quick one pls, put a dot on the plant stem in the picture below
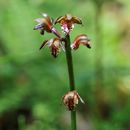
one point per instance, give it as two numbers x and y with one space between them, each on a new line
69 62
71 77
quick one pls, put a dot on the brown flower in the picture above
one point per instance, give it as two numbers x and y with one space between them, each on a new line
54 44
46 24
71 99
67 22
81 39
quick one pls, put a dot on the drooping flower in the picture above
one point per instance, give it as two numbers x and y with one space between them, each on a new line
81 39
54 44
71 99
67 22
46 24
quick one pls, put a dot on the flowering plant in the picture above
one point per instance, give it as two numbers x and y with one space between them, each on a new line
67 22
46 24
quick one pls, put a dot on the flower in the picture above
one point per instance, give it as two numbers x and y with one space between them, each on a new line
54 44
71 99
67 22
46 24
81 39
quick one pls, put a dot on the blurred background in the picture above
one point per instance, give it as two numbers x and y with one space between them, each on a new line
32 82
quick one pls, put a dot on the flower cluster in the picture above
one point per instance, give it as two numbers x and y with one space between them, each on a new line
67 22
46 24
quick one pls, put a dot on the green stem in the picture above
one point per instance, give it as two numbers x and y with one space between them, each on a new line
71 77
69 62
73 120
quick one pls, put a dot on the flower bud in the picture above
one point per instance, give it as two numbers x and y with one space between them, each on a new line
71 99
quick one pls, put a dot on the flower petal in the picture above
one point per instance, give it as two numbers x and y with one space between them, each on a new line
39 20
38 27
58 20
50 42
43 44
47 19
76 20
82 101
81 39
55 48
54 51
